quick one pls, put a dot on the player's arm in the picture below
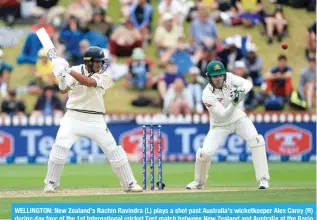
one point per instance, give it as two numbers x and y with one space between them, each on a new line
67 76
103 80
240 82
97 80
213 105
61 70
65 83
84 80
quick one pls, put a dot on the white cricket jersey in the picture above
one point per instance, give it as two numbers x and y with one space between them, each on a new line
222 111
81 97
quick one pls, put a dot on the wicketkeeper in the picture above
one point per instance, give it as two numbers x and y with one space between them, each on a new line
221 97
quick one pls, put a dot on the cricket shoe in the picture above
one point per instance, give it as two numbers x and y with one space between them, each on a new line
50 187
133 187
195 185
263 183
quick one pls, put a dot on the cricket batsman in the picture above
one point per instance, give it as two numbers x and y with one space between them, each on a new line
221 97
86 84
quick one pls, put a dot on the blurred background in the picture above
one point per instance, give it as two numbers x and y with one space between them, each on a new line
159 50
151 43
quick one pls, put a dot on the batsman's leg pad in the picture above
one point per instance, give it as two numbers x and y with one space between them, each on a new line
56 162
257 145
202 166
121 167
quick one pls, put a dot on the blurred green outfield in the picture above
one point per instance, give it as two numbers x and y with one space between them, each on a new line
117 97
228 182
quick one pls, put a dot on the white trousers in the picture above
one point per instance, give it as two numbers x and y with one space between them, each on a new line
75 125
217 136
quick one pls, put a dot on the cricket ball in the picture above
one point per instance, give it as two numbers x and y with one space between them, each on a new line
284 46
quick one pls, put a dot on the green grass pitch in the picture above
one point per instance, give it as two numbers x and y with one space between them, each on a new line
228 182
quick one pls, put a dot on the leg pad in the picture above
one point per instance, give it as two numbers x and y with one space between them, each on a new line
121 167
202 165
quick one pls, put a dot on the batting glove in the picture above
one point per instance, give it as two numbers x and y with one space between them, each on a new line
60 67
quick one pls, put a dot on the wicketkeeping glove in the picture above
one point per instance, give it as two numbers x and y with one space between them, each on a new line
236 95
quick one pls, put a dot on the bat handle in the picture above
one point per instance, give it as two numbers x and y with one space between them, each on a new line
52 54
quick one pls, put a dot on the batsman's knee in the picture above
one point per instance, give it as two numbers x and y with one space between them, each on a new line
256 141
202 155
59 154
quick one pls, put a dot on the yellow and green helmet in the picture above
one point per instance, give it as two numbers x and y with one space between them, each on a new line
215 68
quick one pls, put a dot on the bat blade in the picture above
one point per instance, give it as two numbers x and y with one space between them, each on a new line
47 43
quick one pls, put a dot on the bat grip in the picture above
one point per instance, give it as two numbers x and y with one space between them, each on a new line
52 54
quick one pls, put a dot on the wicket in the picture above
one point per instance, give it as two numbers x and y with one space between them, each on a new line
160 183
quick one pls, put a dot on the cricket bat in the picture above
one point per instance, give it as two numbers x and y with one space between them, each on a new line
47 43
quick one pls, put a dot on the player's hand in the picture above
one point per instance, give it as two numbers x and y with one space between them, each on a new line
61 76
236 95
60 65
